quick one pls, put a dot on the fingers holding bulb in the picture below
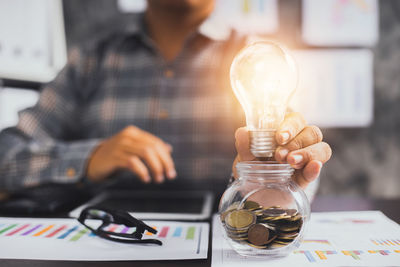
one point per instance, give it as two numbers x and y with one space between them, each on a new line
308 136
299 158
292 125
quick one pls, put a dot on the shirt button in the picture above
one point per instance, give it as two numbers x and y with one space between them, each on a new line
163 114
168 73
71 172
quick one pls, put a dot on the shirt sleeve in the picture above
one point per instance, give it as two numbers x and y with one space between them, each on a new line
45 146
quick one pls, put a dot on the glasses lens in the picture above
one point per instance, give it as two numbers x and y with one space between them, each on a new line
99 215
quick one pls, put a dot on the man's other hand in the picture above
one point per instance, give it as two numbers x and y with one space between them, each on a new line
136 150
299 144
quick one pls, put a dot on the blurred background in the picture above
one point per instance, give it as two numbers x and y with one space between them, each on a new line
347 51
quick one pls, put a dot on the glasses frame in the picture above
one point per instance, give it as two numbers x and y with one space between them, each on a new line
119 217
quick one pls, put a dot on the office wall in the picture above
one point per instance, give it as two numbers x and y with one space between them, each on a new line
366 161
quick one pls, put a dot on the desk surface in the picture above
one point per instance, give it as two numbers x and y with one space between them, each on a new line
389 207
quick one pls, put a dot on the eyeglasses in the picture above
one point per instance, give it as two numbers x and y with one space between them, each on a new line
107 217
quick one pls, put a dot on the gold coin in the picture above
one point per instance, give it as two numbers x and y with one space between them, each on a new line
240 218
289 228
285 238
295 218
255 246
281 242
289 234
238 238
292 212
233 232
276 245
234 206
272 207
251 205
231 207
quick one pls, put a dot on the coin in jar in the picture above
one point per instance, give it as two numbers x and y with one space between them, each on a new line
251 205
260 234
239 219
275 212
292 212
288 235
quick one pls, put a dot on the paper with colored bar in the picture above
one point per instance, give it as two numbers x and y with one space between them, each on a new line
66 239
366 238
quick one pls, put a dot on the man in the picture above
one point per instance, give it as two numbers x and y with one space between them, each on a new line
129 99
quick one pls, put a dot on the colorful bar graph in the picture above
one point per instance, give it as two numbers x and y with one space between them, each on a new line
148 233
386 242
75 232
92 234
79 234
44 230
322 254
306 253
382 252
113 228
68 232
32 229
17 230
190 233
164 231
317 241
125 230
177 232
8 228
352 253
57 231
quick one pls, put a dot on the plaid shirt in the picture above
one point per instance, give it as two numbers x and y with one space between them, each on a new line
120 79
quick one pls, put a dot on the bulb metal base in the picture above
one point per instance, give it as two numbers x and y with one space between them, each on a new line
262 143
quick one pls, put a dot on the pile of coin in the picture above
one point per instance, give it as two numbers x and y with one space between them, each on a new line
261 227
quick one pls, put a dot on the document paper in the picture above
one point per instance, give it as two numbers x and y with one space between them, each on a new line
67 239
32 39
335 87
366 238
340 22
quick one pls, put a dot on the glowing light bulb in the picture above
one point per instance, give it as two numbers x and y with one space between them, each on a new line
263 77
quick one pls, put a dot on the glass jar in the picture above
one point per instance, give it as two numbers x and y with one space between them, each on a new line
264 212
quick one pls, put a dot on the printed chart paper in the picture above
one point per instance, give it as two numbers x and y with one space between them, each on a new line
67 239
366 238
340 22
335 87
32 39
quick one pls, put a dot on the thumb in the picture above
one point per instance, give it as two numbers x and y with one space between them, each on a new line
243 144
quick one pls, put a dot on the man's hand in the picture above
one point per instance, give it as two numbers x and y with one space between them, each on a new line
300 145
136 150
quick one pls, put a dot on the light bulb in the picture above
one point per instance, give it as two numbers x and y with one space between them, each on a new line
263 77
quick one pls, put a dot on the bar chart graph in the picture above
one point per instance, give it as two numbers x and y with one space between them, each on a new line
68 239
364 238
76 231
